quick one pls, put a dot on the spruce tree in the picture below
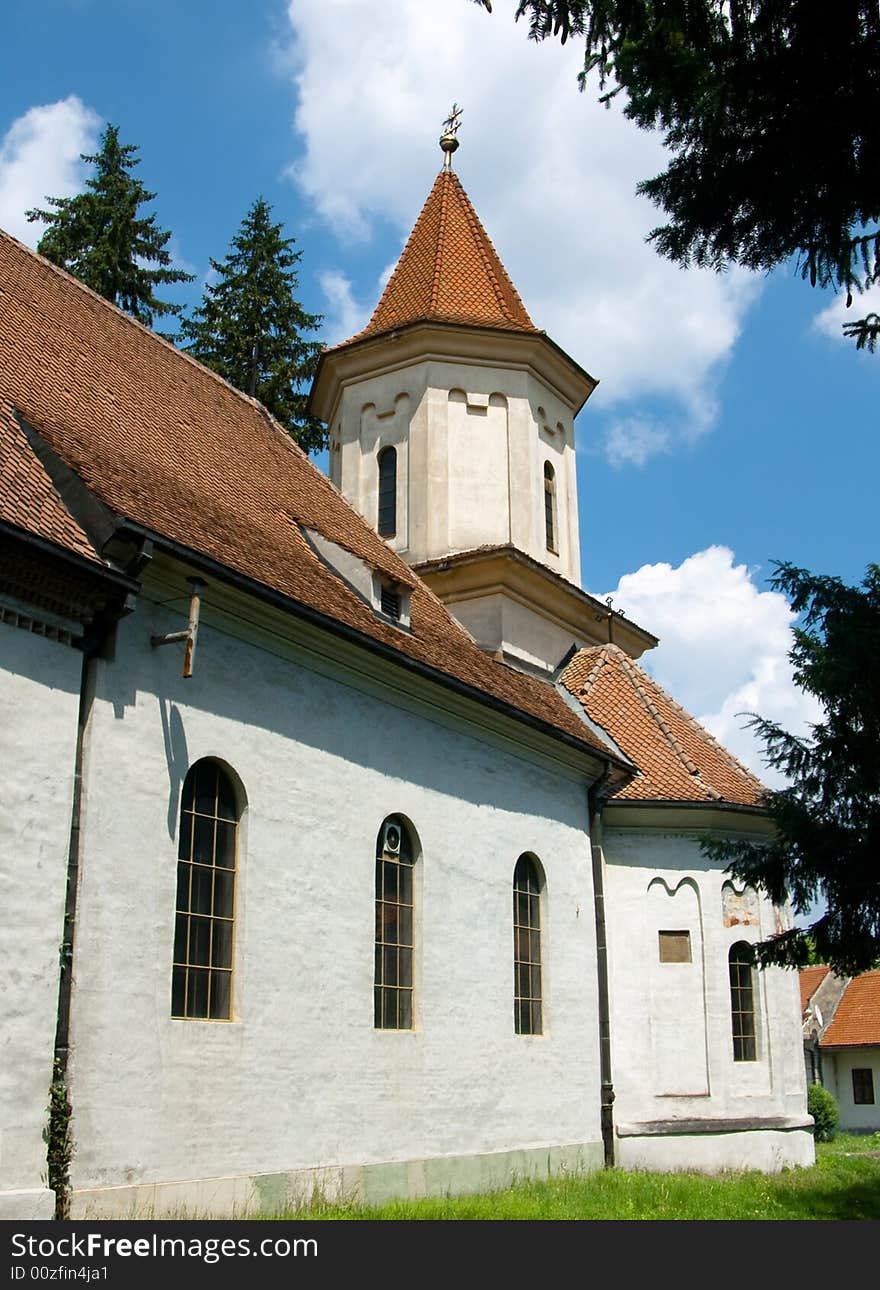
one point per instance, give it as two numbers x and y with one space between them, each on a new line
827 819
100 238
249 326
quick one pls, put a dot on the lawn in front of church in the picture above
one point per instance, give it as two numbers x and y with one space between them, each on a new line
843 1184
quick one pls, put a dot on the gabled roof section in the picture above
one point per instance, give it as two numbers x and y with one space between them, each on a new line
449 272
678 760
163 442
856 1022
810 979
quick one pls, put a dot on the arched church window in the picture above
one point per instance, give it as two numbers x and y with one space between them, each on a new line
550 506
395 935
201 979
527 990
741 962
387 492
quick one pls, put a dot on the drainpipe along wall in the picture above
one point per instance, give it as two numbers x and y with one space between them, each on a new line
596 802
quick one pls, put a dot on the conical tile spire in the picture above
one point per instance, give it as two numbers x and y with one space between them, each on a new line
449 271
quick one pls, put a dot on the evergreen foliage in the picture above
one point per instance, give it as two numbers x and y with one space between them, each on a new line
249 327
771 111
100 238
827 840
823 1108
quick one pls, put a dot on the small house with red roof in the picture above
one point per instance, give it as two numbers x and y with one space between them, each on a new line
842 1042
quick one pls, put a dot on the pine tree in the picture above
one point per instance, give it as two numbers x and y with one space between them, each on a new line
99 237
249 325
827 839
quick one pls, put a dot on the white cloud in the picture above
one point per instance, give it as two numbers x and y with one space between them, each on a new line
344 316
552 175
723 647
830 321
40 157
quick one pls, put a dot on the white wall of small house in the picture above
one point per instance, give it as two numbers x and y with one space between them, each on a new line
472 441
671 1022
837 1068
40 701
301 1078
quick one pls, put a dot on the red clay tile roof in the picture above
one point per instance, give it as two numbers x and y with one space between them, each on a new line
678 760
811 978
166 443
857 1019
449 271
28 498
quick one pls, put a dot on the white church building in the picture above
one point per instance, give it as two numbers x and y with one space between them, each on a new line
344 843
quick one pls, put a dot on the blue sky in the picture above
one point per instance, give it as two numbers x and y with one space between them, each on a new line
731 426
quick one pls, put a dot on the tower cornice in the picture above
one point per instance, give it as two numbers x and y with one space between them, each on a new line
422 341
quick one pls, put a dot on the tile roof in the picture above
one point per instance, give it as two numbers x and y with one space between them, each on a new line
166 443
856 1021
810 979
677 759
28 498
449 271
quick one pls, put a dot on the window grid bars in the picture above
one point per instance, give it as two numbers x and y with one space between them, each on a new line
207 985
395 943
527 999
742 1010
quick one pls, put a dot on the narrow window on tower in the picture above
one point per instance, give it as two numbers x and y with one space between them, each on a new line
550 506
387 492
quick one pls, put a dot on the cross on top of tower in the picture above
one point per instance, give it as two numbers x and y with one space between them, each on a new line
449 139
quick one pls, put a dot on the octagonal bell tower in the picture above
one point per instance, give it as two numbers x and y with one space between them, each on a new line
451 427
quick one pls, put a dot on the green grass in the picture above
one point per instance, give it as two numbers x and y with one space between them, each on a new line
844 1183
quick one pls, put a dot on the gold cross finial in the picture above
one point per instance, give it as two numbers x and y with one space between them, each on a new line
448 139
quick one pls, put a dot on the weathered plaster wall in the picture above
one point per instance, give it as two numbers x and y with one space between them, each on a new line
40 702
671 1024
301 1079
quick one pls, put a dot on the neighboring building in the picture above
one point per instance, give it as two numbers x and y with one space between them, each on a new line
842 1042
349 895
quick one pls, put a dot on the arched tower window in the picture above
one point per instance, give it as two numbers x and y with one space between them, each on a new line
387 524
741 961
201 979
550 507
395 938
527 991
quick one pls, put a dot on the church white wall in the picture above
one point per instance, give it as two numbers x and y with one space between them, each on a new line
472 440
301 1080
837 1068
40 700
671 1025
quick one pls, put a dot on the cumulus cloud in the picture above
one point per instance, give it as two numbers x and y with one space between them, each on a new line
723 649
830 321
344 315
552 175
40 157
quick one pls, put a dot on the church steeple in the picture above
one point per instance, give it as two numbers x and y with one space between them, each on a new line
449 272
452 431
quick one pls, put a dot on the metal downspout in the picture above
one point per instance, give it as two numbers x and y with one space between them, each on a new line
596 802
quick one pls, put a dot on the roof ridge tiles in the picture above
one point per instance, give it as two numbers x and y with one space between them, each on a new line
680 752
